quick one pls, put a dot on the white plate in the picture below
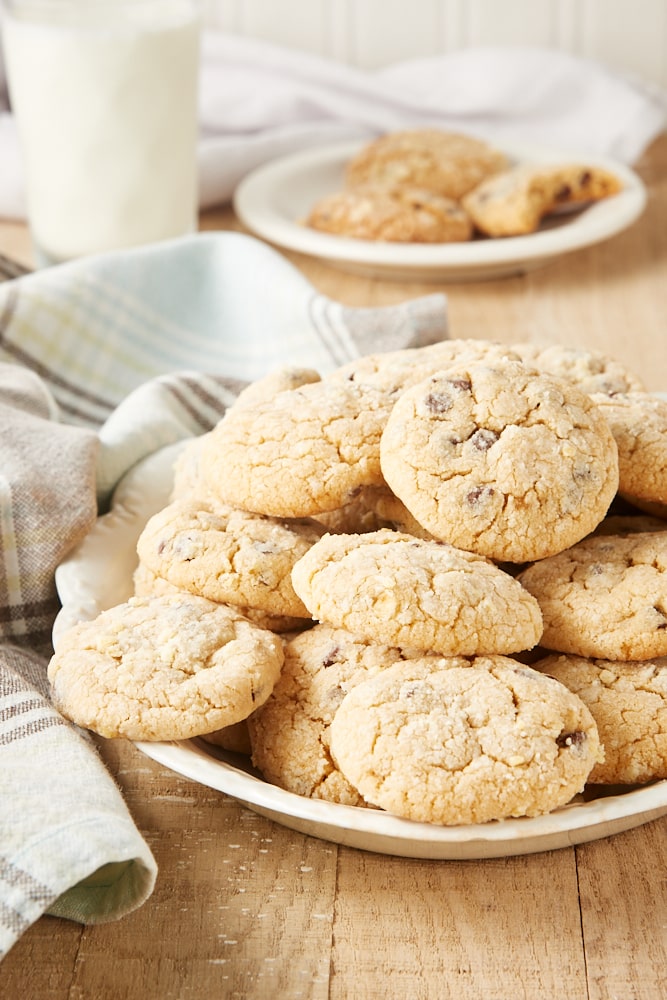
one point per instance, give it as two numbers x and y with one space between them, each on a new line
98 574
272 199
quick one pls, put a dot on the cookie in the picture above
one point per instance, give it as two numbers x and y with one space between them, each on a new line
289 734
454 741
393 372
604 597
147 583
502 460
592 371
394 215
629 704
446 163
280 380
513 203
305 451
228 555
163 668
189 482
398 590
189 479
638 421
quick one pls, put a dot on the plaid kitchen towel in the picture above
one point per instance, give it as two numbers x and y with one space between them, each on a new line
102 362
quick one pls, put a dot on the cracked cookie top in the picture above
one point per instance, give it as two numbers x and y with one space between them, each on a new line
628 701
447 163
395 371
228 555
289 734
303 451
604 597
501 459
163 668
592 371
396 589
454 741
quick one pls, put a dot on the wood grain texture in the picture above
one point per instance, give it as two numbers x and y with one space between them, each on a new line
247 909
409 928
623 895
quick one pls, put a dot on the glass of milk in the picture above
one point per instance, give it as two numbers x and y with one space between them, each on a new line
105 98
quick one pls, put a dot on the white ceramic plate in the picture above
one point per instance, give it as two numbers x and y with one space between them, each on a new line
98 574
272 199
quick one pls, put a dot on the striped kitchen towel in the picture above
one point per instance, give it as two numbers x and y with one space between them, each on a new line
102 362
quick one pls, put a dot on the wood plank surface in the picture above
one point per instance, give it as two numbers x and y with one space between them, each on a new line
246 908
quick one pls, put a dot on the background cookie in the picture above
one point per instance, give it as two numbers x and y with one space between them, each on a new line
629 704
499 459
629 524
234 738
374 508
604 597
513 203
189 481
446 163
395 589
452 741
397 215
163 668
280 380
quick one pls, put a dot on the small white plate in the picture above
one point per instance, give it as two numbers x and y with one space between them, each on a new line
273 199
98 574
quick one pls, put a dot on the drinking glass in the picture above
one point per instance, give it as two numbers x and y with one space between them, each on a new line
104 93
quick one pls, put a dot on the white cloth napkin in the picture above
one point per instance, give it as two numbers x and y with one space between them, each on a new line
103 362
259 101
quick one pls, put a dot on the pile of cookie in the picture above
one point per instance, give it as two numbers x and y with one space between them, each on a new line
433 582
432 186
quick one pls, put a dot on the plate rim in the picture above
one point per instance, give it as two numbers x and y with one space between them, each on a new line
254 196
210 768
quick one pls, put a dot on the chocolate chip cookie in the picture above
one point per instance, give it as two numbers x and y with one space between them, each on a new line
228 555
289 734
446 163
513 203
500 459
163 668
392 588
455 741
629 704
304 451
394 215
605 597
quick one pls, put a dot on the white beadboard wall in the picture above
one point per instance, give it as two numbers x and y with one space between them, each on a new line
629 36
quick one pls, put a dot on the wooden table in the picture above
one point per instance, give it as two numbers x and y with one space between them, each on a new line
246 908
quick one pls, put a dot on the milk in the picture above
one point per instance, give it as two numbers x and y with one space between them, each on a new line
105 100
